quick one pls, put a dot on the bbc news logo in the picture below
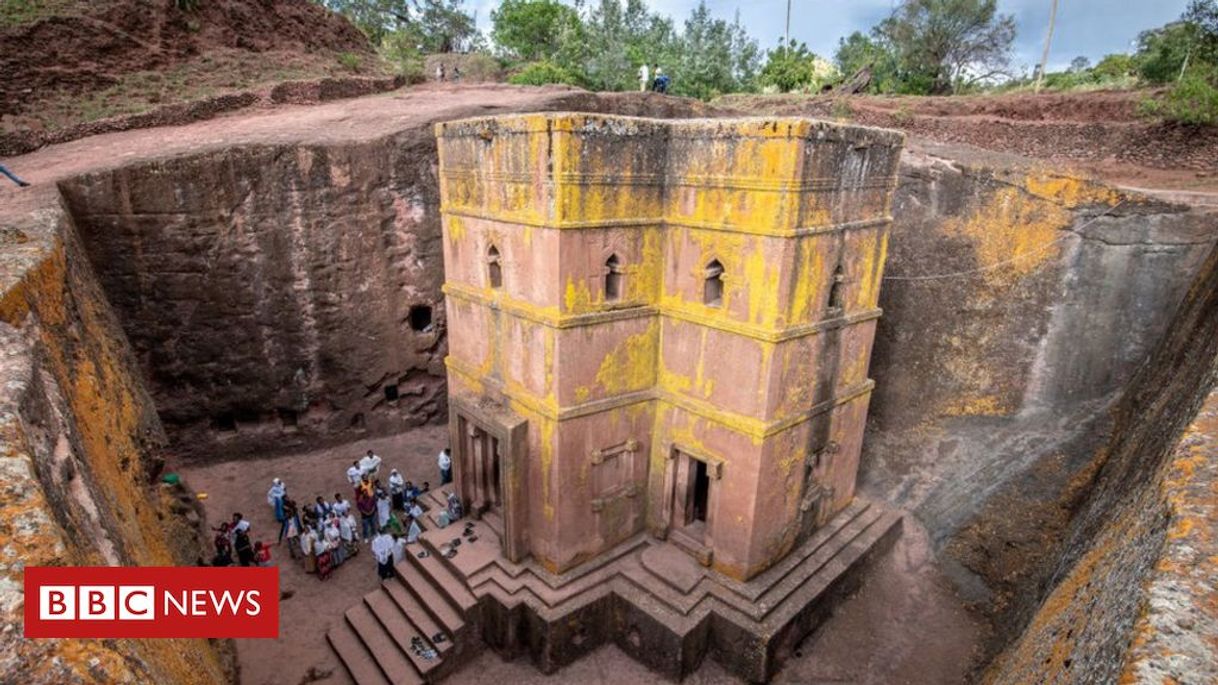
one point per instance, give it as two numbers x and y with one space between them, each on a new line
113 602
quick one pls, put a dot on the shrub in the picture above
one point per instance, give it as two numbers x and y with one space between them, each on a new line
350 61
1191 100
1115 66
399 49
841 110
479 66
542 73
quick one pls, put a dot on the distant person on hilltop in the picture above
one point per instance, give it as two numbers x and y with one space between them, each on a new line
440 71
644 77
661 82
456 73
13 177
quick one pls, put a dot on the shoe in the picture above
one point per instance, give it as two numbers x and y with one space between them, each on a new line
423 555
23 184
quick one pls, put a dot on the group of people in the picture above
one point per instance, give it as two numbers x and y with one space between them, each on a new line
653 78
233 544
324 534
441 73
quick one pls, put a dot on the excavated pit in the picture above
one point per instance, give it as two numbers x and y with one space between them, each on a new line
1044 342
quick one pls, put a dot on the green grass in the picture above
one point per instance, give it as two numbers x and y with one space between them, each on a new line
17 13
208 75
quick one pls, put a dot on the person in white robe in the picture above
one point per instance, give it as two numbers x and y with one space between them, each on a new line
382 551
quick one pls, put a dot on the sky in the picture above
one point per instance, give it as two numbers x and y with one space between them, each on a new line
1091 28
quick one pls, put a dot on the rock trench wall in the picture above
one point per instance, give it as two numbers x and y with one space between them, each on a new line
1132 595
278 298
81 449
1019 306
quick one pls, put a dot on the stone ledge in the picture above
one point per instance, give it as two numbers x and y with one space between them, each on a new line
746 626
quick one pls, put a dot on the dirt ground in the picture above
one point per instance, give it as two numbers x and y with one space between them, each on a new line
877 636
69 61
1099 133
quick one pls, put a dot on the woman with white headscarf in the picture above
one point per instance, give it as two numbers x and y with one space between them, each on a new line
275 497
397 486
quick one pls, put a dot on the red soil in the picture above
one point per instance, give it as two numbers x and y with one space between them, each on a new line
83 46
1100 133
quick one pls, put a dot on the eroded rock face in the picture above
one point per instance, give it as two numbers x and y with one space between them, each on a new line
276 297
1018 306
80 446
1140 551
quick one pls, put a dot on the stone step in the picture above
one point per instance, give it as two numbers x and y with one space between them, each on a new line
408 604
445 578
815 563
402 631
757 586
872 540
355 656
433 500
669 598
385 652
536 587
439 607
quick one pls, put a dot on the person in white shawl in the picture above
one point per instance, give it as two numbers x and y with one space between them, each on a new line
413 533
351 523
275 497
346 528
338 552
399 550
382 509
397 485
382 550
369 464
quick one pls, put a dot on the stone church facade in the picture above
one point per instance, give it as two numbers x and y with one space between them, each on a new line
662 327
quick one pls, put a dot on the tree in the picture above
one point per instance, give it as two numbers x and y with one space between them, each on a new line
606 66
792 66
1163 53
444 26
531 29
374 17
600 45
945 43
715 56
859 51
1203 15
432 25
1079 64
1114 66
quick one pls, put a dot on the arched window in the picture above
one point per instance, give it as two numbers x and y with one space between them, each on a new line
494 269
614 279
835 290
712 288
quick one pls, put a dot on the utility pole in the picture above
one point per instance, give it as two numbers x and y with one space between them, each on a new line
1044 56
786 41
